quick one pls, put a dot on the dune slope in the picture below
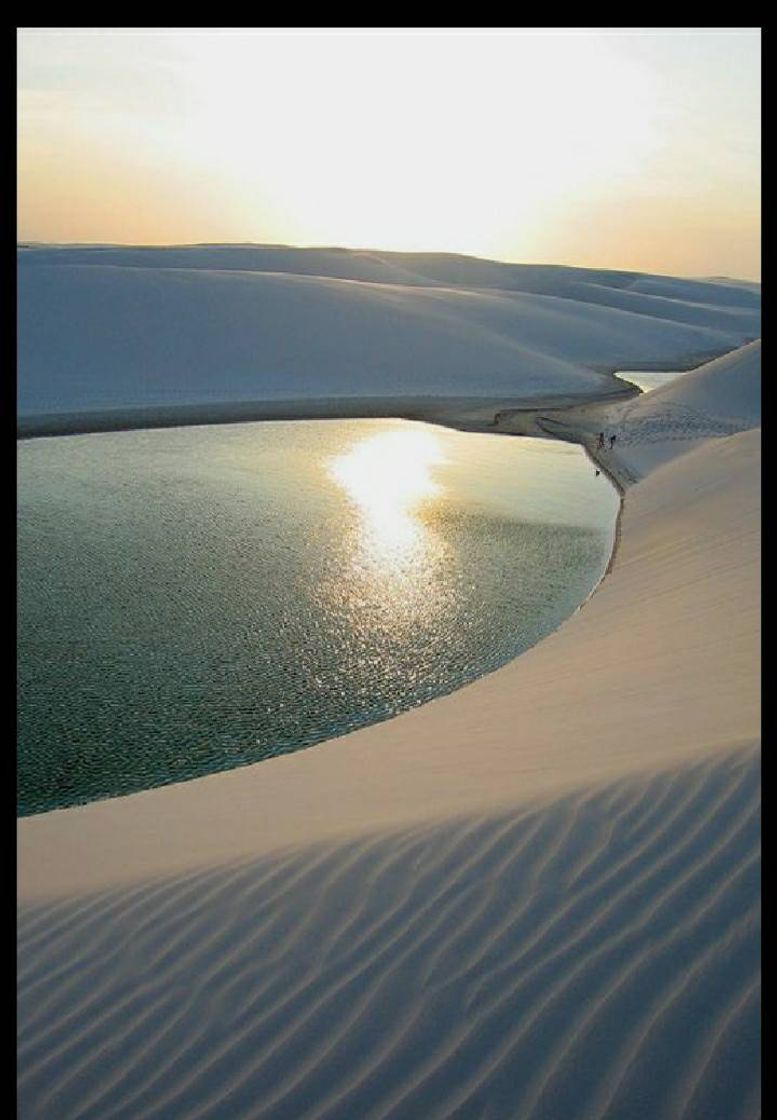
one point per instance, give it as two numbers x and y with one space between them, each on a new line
594 956
126 328
718 398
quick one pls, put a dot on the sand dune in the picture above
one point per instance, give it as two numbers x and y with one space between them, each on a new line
726 390
123 328
718 398
593 956
416 269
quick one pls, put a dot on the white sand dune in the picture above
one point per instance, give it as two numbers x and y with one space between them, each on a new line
727 390
536 897
123 328
416 269
718 398
595 955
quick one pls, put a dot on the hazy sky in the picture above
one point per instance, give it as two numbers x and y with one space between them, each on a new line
635 149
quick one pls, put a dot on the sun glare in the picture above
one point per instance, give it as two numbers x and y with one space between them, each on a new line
373 161
520 144
387 476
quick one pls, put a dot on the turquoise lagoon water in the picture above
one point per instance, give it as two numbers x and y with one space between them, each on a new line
196 599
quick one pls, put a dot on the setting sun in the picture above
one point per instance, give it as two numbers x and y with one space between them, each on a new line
509 144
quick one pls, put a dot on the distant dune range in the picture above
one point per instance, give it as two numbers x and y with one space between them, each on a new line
106 329
536 897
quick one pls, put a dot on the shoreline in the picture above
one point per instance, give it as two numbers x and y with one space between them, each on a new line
538 419
529 420
454 411
543 422
359 781
611 535
465 413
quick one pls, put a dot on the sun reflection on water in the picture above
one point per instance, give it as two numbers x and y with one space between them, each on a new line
387 476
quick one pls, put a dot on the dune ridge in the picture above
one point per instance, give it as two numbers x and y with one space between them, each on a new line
415 269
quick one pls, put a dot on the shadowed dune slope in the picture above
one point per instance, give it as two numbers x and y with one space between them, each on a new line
120 328
417 269
592 956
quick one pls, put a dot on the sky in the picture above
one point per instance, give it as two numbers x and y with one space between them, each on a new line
627 149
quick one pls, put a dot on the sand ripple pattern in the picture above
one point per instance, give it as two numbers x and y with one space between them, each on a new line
591 956
675 421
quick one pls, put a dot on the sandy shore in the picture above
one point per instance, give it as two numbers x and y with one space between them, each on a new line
536 897
465 413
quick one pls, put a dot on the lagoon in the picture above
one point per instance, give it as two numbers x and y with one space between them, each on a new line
196 599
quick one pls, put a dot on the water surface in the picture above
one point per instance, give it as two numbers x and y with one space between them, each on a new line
199 598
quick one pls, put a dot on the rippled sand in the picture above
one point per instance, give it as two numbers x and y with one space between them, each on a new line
595 955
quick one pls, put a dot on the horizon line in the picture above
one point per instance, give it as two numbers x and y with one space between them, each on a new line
23 243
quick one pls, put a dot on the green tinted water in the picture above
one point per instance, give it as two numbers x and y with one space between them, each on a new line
200 598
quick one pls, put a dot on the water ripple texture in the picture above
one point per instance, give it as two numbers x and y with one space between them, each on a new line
197 599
